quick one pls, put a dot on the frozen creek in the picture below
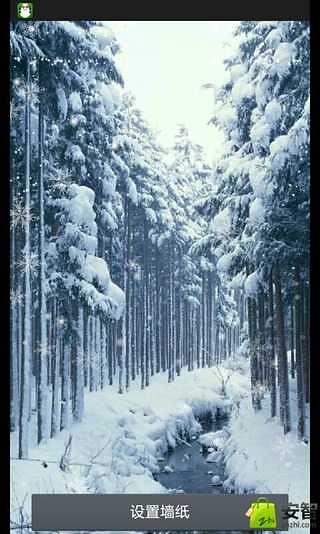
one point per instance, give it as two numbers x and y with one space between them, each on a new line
191 473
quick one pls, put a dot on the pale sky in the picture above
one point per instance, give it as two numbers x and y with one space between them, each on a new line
164 65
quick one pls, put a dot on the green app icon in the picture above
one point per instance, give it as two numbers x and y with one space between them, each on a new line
262 514
25 10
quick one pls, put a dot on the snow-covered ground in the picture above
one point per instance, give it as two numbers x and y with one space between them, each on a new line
260 458
122 436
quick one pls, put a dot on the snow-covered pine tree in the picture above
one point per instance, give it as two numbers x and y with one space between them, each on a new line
24 55
261 183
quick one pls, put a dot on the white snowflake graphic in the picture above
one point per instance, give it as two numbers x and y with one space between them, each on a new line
20 215
29 263
16 296
60 182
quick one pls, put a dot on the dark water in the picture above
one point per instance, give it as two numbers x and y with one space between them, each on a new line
189 464
191 474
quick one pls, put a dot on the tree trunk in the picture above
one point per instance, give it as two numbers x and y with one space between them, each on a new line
292 366
65 386
110 352
273 374
86 346
209 319
92 353
169 318
307 343
146 306
126 285
103 352
27 321
15 302
133 350
42 351
299 357
172 315
282 353
178 328
252 326
56 351
77 360
158 313
203 323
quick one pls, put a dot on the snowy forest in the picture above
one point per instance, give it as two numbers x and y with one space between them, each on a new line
133 263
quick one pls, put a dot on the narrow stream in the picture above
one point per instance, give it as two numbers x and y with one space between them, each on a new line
191 473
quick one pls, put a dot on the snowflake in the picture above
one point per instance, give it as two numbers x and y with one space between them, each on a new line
61 182
16 297
27 28
29 263
20 215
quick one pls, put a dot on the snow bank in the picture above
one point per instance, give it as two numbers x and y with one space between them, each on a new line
122 437
216 440
260 458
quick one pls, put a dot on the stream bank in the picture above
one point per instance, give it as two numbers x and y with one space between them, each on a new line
191 470
188 469
122 437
